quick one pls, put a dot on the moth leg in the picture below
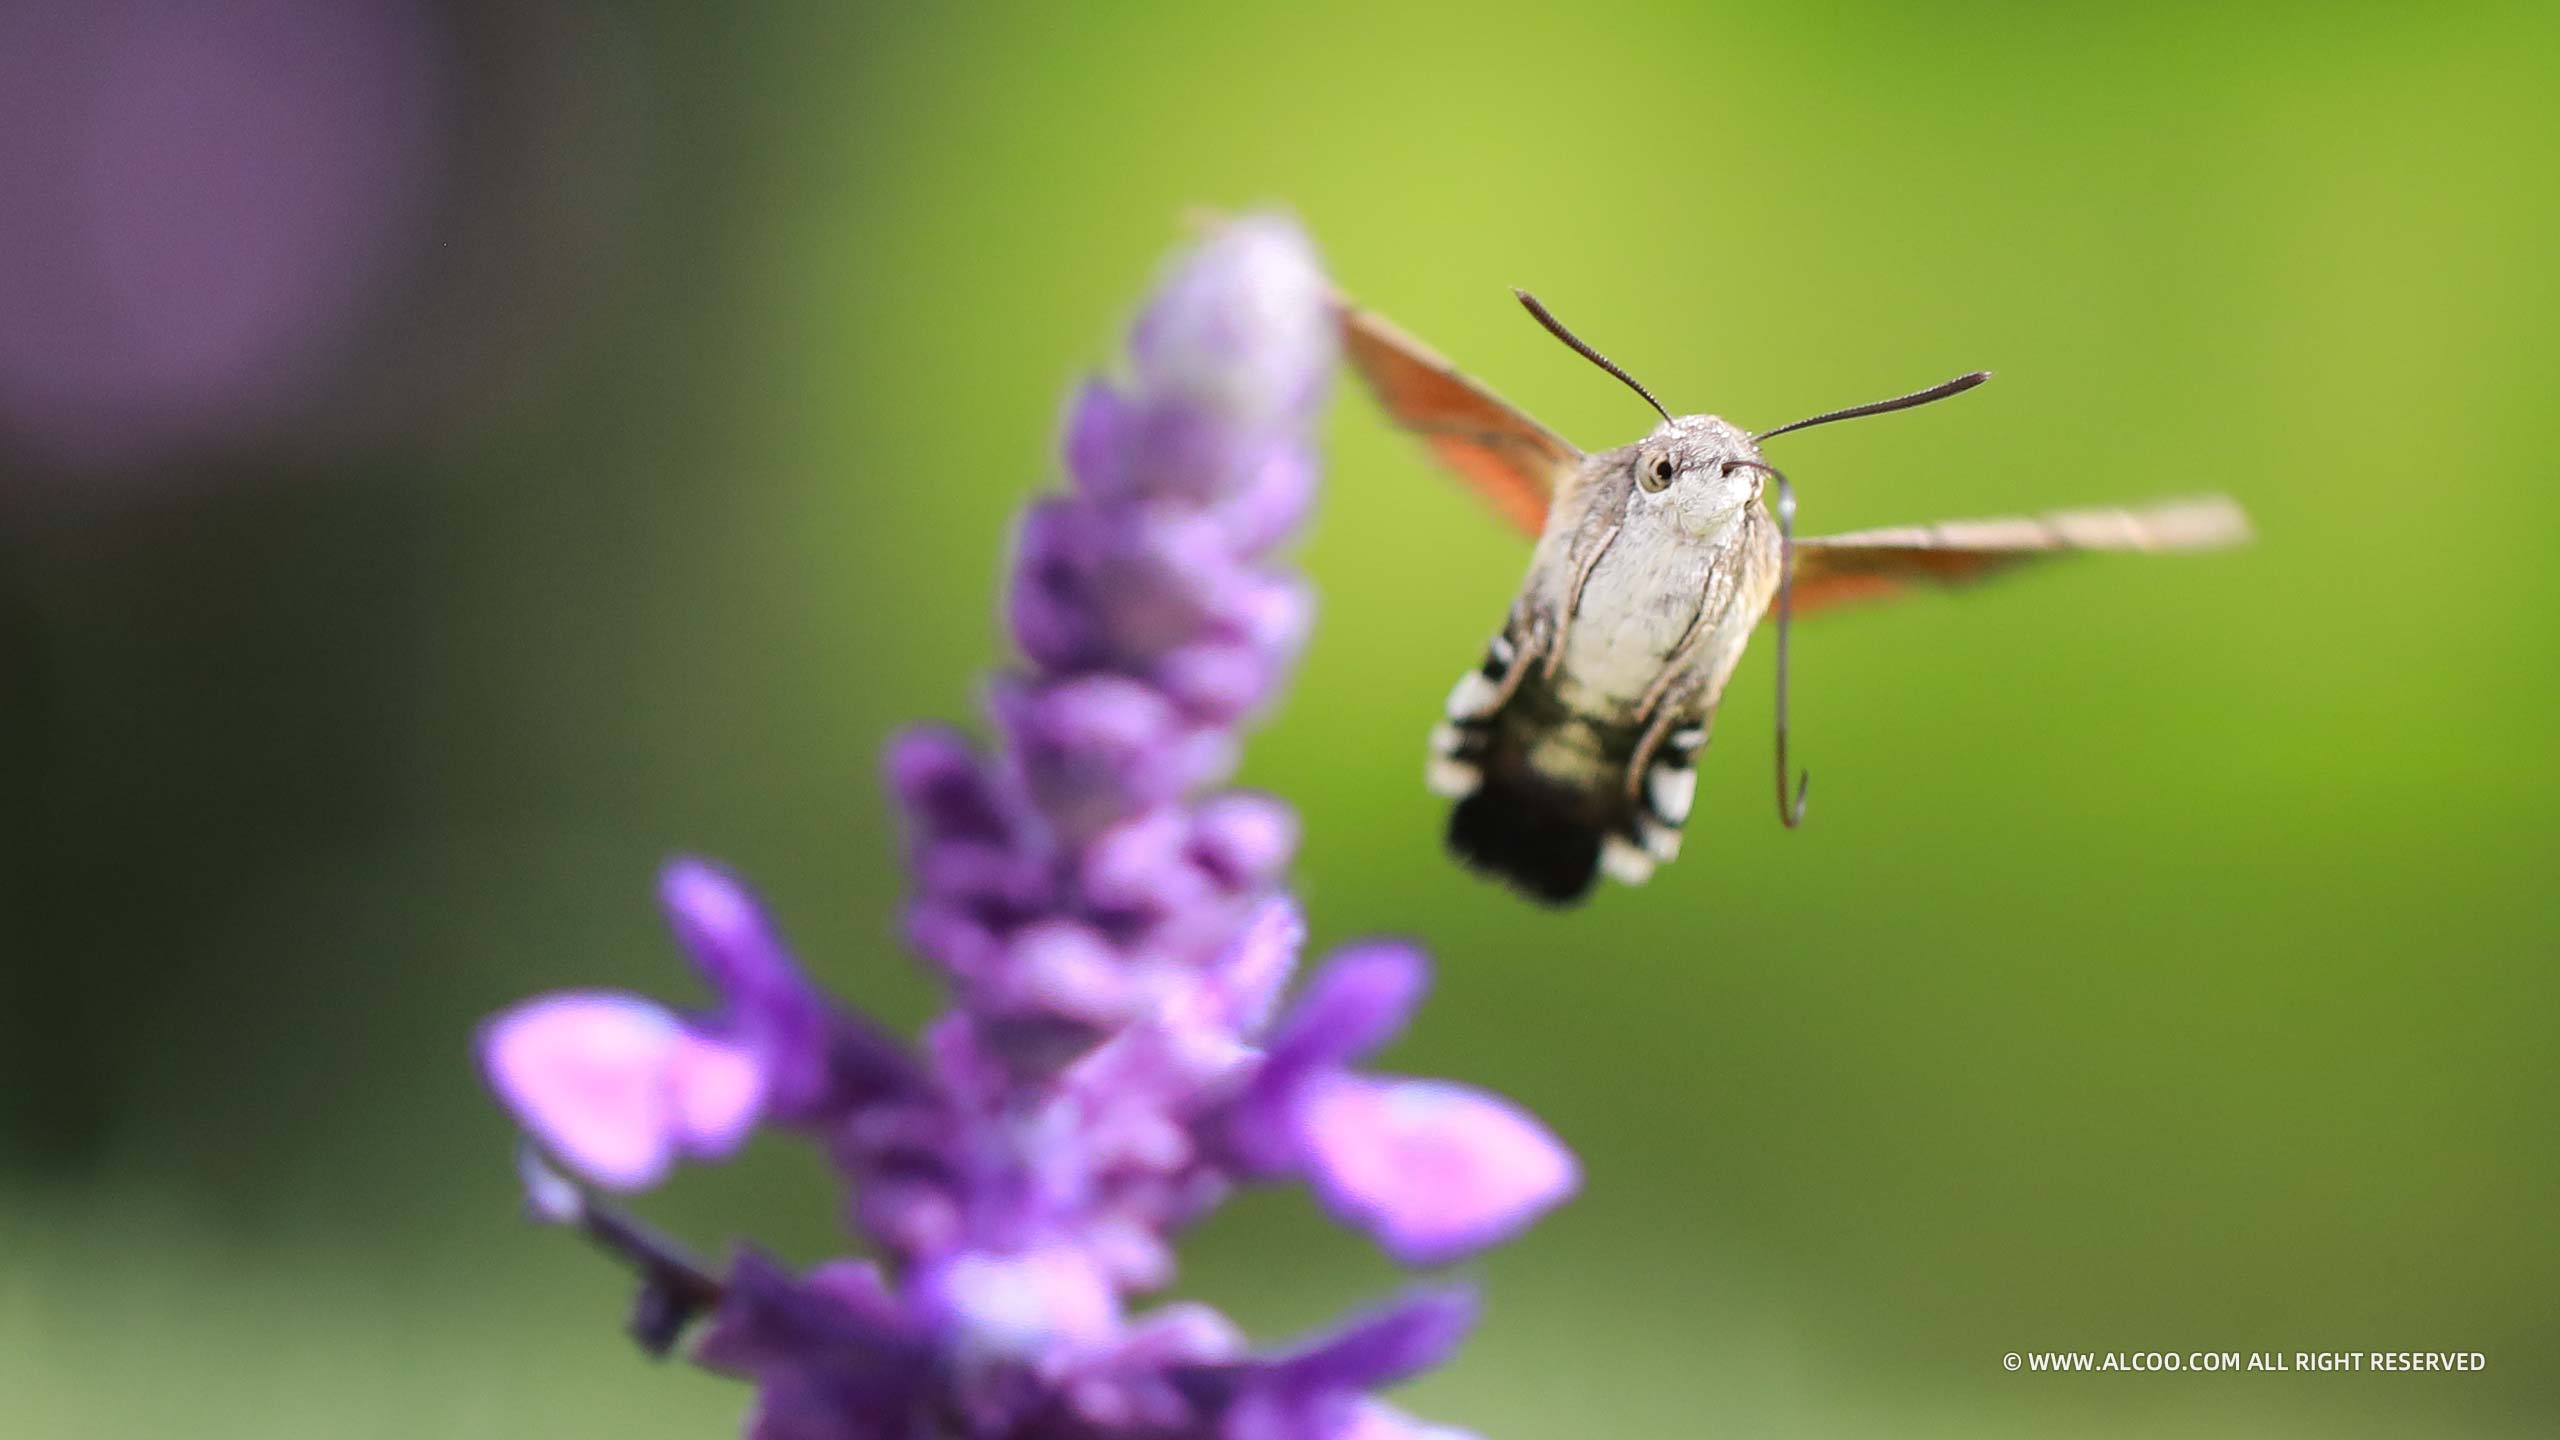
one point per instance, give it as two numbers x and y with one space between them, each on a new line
1573 597
1675 671
1459 741
1647 744
1515 666
1662 783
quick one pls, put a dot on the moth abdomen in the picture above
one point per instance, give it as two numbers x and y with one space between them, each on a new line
1544 798
1514 829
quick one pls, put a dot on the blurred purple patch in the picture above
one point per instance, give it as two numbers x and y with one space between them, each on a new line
1116 944
198 202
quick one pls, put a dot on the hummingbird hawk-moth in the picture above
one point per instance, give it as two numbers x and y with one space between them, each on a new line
1571 751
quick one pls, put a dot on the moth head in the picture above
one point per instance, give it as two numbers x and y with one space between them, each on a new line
1702 466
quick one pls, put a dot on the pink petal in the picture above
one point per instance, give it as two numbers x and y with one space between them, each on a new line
1433 1170
586 1074
616 1087
717 1091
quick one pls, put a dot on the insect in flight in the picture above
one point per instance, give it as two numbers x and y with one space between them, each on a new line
1571 750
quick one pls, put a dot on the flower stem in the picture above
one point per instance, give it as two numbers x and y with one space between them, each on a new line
674 1286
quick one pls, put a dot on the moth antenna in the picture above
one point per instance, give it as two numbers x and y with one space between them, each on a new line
1790 812
1556 328
1957 386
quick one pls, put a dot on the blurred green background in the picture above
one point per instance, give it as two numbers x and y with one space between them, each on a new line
2167 963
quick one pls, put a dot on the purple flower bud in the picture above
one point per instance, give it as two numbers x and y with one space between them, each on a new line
937 777
958 937
1097 749
1358 1002
987 878
1051 602
1145 867
1245 839
1100 428
1270 500
817 1060
1318 1391
731 941
1131 1388
1217 680
1398 1342
910 1215
1060 968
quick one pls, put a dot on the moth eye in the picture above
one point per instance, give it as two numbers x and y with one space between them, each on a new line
1662 468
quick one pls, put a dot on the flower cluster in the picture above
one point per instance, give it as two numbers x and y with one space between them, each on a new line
1117 943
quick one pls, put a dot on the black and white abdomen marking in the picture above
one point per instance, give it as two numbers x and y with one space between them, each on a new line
1661 811
1464 736
1542 791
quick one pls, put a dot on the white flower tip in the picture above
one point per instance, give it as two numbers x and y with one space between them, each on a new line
550 1197
1020 1307
1244 326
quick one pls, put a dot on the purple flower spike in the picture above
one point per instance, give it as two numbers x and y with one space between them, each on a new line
1116 941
